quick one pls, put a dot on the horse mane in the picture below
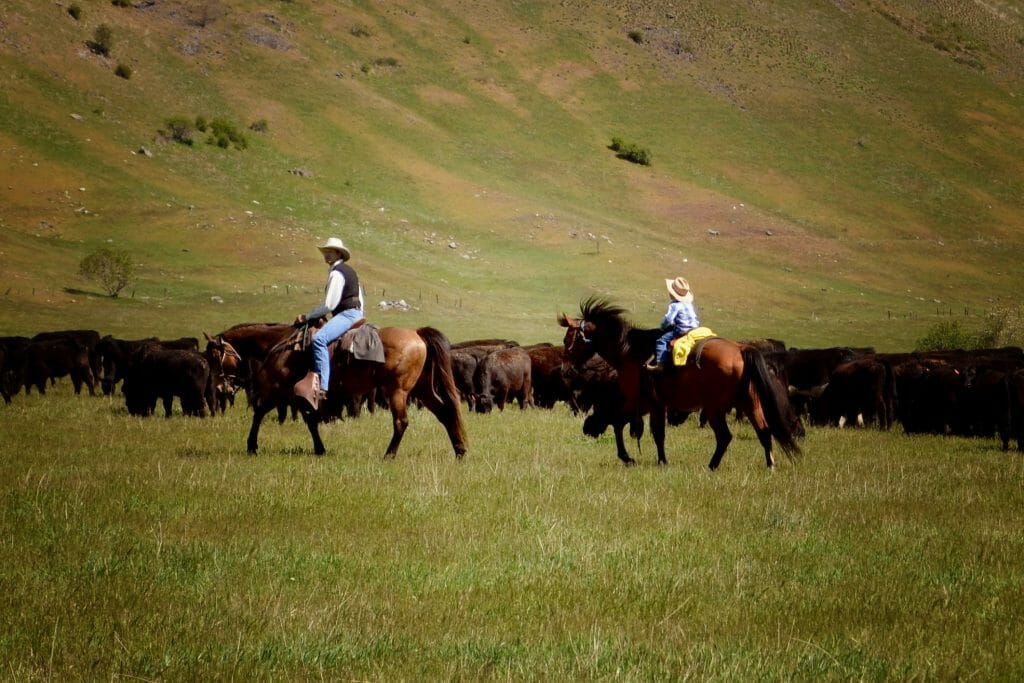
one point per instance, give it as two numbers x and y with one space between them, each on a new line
605 315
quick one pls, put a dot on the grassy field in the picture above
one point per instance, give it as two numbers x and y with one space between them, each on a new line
148 549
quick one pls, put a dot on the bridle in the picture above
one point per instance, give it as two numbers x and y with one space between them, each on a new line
576 336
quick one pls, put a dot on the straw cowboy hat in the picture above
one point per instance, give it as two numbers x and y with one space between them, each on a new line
337 245
680 290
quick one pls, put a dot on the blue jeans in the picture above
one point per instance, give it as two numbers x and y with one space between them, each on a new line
335 327
661 347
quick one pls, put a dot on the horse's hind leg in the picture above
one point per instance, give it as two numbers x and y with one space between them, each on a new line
723 436
755 414
447 413
399 421
765 437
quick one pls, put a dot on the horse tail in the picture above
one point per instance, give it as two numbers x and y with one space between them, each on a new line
437 385
774 402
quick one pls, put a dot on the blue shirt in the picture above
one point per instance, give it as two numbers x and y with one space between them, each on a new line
681 318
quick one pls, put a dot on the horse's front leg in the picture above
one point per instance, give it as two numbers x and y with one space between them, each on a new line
312 419
658 431
259 410
620 444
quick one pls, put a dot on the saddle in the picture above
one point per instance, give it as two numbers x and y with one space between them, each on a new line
361 341
691 343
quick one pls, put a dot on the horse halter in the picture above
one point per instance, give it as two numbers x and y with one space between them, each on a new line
578 334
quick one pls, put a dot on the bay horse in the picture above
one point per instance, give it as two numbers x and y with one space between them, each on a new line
417 365
243 348
728 375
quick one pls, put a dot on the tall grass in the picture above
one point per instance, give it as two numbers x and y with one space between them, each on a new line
155 548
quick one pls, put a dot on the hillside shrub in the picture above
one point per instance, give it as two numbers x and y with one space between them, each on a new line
360 31
124 71
202 124
75 10
121 3
260 126
180 130
948 335
1004 327
630 152
636 36
112 269
102 40
224 134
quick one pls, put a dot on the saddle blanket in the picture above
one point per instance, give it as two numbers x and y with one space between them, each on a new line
682 346
363 342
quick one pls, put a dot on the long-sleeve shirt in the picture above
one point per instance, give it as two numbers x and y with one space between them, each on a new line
332 293
681 318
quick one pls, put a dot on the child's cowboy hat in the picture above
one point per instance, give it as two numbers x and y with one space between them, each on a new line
337 245
680 290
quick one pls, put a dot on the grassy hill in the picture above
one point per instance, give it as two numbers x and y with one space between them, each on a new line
844 172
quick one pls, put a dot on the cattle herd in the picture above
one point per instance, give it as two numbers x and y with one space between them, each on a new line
968 393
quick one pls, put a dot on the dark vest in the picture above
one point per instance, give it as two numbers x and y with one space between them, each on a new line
350 292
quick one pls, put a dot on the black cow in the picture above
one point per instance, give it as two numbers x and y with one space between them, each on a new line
859 390
807 371
114 356
928 395
86 338
12 365
466 357
504 376
1016 389
161 373
546 374
51 358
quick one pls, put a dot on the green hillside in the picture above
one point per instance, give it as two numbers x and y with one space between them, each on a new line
822 172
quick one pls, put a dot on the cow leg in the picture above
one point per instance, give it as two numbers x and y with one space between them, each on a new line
399 421
723 436
658 416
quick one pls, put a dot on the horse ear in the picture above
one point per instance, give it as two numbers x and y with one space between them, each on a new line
565 321
208 337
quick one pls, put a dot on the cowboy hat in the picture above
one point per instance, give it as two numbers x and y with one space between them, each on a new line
680 290
335 244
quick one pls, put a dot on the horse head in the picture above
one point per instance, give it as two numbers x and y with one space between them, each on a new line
578 345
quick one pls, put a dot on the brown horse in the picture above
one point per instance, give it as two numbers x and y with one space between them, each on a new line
728 375
417 365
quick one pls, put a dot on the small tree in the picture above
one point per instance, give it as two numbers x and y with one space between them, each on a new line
113 270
